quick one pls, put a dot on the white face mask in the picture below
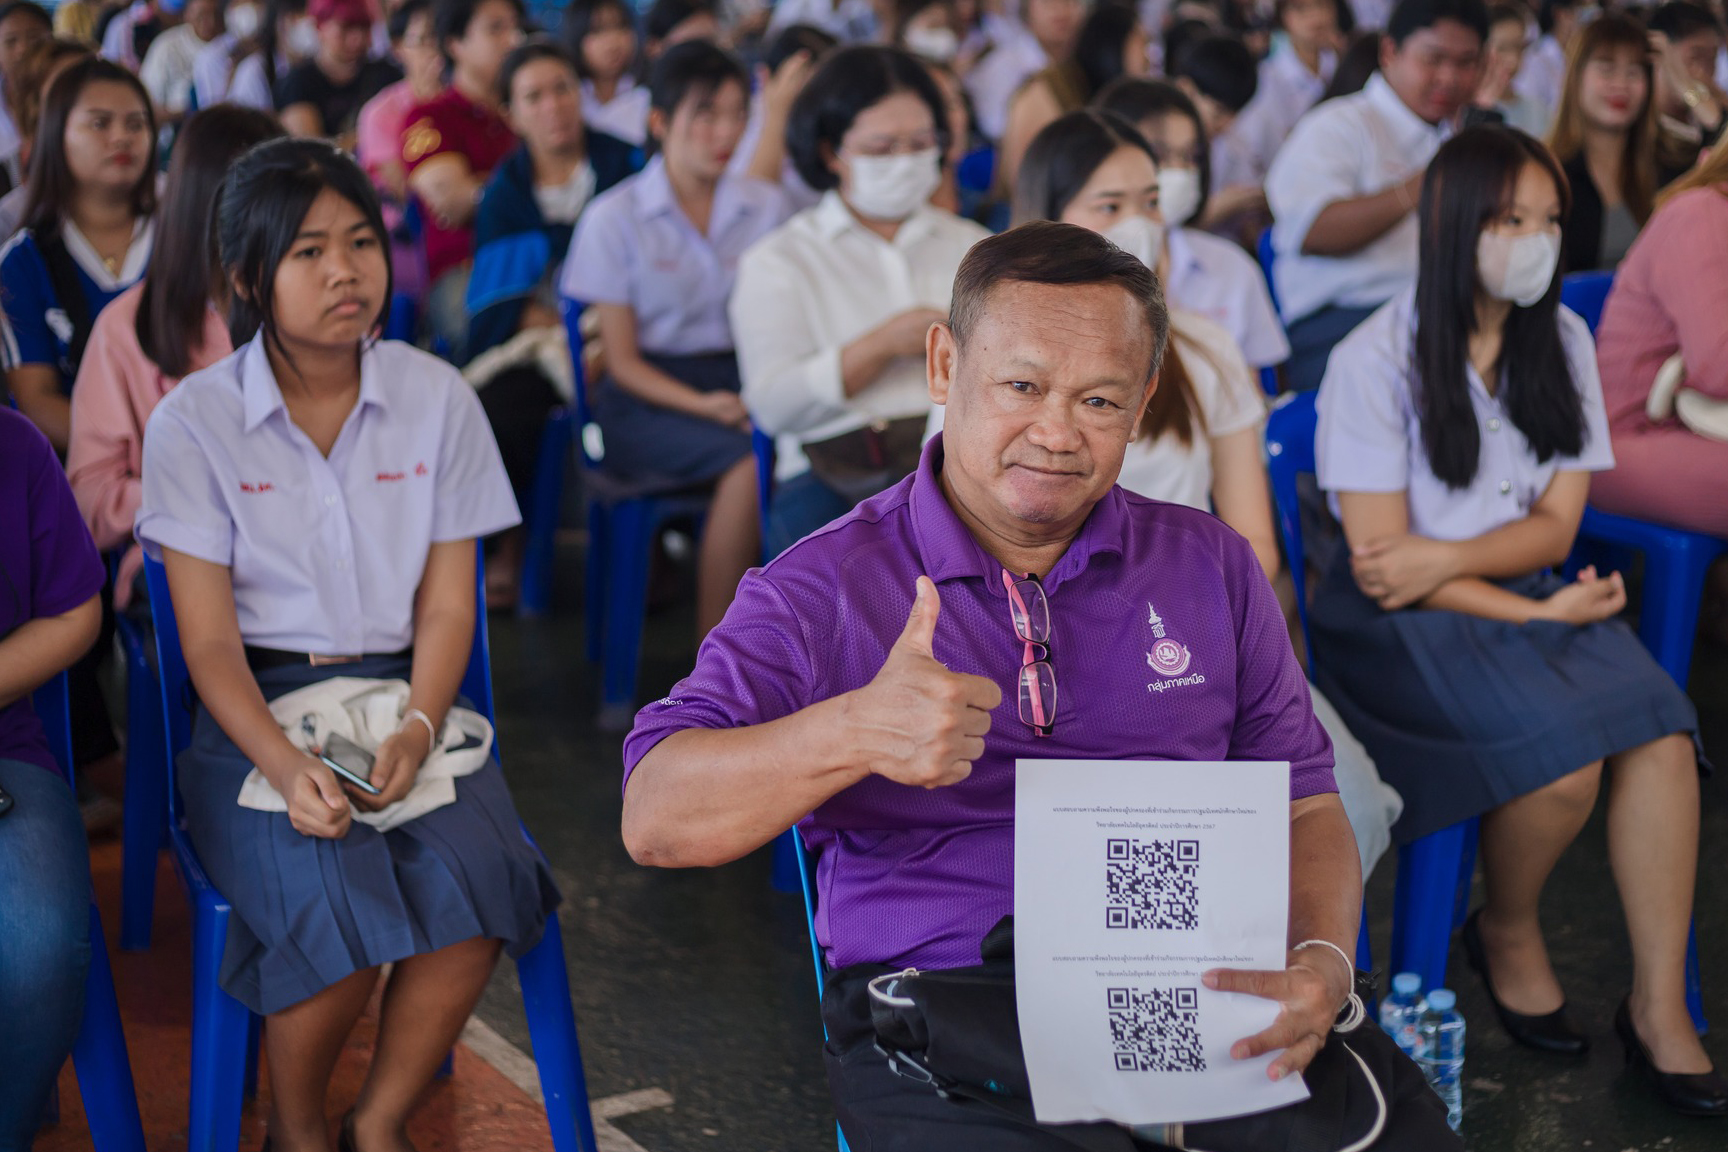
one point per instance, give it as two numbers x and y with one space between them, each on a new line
302 39
938 44
243 20
1178 194
1139 236
890 188
1517 268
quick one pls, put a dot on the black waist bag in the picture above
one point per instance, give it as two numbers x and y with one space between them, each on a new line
958 1030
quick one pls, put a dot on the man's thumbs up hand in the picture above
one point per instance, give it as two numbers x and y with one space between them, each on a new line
918 723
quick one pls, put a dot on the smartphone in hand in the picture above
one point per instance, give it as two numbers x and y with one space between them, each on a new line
350 762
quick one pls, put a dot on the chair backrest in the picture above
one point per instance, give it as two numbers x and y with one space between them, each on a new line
572 310
763 445
807 873
1585 293
1289 454
52 703
176 682
1264 250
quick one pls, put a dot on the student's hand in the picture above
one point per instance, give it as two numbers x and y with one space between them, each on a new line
908 329
1310 992
724 408
917 723
317 806
1397 571
394 768
784 85
1588 599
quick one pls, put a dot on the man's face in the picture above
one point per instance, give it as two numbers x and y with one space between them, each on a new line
1435 70
1041 402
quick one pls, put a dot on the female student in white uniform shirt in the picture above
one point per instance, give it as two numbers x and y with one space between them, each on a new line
655 257
1206 274
601 36
1459 426
320 492
1199 442
831 308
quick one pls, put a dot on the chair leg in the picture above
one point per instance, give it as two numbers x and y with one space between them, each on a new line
552 1028
542 519
254 1038
1466 873
594 580
220 1025
1668 613
630 546
1427 893
1694 987
99 1056
146 806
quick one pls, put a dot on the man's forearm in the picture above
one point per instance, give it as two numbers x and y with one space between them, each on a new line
1345 227
1325 874
707 796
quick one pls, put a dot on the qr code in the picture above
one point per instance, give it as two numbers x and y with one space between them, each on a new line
1152 884
1156 1029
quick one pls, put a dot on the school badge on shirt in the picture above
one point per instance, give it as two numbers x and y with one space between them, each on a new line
1168 657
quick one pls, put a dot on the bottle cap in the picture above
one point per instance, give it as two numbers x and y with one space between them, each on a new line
1442 999
1407 983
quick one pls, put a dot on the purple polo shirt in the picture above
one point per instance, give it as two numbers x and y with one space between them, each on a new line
1168 644
48 563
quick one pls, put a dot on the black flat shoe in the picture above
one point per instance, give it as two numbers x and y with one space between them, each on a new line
1549 1033
1688 1093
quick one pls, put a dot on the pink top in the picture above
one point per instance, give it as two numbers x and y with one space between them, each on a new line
378 133
1670 295
117 389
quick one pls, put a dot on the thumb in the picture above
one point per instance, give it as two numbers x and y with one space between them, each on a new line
920 631
330 790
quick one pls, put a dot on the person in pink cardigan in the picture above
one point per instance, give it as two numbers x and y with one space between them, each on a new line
1670 295
164 327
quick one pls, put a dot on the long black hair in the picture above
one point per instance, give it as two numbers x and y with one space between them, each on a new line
183 268
264 201
52 185
1098 48
1470 185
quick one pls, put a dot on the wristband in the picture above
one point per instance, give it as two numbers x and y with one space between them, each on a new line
432 733
1354 1002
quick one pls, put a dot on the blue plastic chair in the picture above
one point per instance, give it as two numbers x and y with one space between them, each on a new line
785 874
623 520
99 1054
807 879
144 831
1264 251
224 1033
545 502
1435 872
1585 293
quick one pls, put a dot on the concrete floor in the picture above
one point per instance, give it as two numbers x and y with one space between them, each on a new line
700 983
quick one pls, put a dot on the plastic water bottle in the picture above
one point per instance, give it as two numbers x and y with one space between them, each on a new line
1400 1012
1442 1060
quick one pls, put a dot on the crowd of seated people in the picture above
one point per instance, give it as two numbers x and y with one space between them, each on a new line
768 223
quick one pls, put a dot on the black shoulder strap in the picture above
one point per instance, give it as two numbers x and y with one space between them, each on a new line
63 275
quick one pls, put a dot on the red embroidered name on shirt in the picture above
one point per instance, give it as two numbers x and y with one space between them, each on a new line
383 476
261 486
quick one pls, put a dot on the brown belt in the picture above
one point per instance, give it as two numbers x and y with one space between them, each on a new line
258 659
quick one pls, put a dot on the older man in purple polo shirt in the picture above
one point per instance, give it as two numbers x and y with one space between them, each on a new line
874 686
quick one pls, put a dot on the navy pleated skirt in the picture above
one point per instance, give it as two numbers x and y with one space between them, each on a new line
308 912
656 446
1463 714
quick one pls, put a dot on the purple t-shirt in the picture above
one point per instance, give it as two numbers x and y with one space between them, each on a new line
1168 644
48 563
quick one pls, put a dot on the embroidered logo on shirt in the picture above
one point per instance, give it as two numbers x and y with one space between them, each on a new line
1167 658
59 324
420 469
420 140
260 486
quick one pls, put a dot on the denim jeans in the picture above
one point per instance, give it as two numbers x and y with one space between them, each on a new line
799 507
44 942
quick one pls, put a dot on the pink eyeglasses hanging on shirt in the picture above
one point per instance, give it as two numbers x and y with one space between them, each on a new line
1031 614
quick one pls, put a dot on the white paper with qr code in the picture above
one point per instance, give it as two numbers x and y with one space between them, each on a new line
1131 879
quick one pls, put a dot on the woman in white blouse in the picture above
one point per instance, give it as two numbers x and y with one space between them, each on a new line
1199 441
831 309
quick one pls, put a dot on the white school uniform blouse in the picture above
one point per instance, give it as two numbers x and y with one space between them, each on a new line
1370 437
1542 77
1214 278
1014 59
325 553
635 246
624 116
1354 146
814 285
1242 155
